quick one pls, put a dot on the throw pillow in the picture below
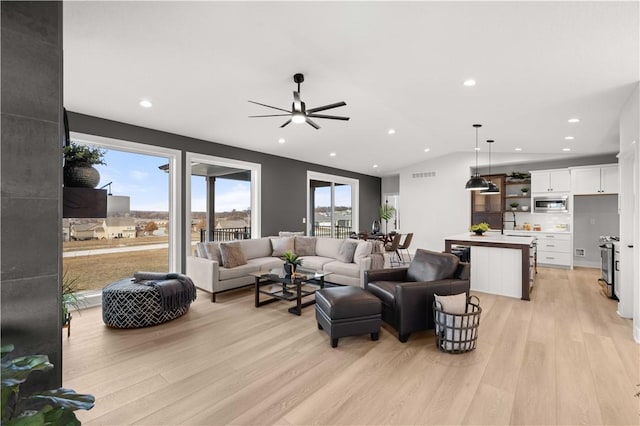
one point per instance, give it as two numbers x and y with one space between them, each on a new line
213 252
232 255
200 250
432 266
290 233
363 249
454 304
281 245
347 250
305 246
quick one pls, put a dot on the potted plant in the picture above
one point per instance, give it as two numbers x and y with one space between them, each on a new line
69 299
78 165
524 190
50 407
518 176
386 213
514 206
479 228
292 261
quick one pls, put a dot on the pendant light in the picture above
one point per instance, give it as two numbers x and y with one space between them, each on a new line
493 188
477 182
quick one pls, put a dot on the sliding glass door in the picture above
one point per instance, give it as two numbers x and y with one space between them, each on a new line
332 205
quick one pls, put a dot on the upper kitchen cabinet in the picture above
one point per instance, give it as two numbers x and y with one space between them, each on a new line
550 181
595 180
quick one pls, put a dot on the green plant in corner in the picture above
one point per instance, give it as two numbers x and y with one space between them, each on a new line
386 213
51 407
69 297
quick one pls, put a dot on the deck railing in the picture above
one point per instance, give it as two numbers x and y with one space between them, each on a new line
325 231
226 234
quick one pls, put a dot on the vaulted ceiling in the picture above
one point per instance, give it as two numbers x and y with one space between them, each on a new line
397 65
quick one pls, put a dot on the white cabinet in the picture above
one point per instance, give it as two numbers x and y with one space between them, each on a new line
550 181
554 249
595 180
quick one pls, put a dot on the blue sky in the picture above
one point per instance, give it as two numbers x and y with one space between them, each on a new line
138 177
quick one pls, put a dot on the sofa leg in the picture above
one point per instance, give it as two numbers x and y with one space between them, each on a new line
319 326
213 297
404 337
375 336
334 342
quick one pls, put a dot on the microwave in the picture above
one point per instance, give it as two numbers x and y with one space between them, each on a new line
558 204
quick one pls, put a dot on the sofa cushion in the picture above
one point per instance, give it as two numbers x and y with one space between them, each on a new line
347 250
337 267
266 263
281 245
305 246
315 263
213 251
362 251
432 266
237 272
328 247
232 255
255 248
290 233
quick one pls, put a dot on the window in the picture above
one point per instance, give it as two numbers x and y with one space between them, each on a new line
332 205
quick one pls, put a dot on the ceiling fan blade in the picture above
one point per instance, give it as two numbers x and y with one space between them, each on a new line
331 117
297 104
322 108
269 106
287 122
312 124
270 115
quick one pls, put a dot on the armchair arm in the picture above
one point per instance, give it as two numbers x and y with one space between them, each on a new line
203 272
394 274
414 301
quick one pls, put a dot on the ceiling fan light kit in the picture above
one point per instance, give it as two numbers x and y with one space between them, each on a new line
299 112
477 182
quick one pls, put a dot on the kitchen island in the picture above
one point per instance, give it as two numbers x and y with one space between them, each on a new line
500 264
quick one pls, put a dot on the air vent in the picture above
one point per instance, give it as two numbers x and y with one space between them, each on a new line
423 175
580 252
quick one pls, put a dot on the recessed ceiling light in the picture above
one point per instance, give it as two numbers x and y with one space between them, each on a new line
332 154
469 83
281 140
392 131
574 120
375 166
566 149
518 149
145 103
427 149
569 138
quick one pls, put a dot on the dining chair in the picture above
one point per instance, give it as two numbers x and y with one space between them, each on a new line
392 248
405 246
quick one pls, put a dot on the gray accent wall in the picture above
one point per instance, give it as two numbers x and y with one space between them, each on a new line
31 176
284 181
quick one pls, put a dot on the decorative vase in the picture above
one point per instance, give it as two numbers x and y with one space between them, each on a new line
375 228
479 232
289 268
81 175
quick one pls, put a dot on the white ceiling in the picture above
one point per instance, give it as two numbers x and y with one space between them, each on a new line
397 65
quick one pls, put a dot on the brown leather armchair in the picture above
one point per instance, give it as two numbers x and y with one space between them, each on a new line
407 293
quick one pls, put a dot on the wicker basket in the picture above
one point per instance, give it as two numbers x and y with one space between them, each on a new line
457 333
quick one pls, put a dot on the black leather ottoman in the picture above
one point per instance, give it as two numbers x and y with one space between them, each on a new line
347 311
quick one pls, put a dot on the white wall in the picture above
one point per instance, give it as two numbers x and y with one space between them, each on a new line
629 288
435 207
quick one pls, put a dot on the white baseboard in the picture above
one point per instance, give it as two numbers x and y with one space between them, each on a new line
636 334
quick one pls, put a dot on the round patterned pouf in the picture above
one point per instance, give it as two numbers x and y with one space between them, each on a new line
126 304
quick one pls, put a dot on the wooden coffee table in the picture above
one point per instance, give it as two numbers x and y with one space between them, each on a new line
286 287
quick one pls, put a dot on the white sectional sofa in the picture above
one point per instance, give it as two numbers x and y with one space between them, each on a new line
345 259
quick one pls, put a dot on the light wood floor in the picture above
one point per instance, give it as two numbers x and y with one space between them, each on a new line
565 357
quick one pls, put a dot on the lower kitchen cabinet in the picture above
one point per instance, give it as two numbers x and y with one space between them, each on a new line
554 249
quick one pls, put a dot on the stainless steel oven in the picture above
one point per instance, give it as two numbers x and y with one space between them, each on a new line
607 268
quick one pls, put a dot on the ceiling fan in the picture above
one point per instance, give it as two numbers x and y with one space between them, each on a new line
299 112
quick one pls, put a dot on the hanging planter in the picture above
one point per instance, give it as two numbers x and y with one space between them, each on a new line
78 165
